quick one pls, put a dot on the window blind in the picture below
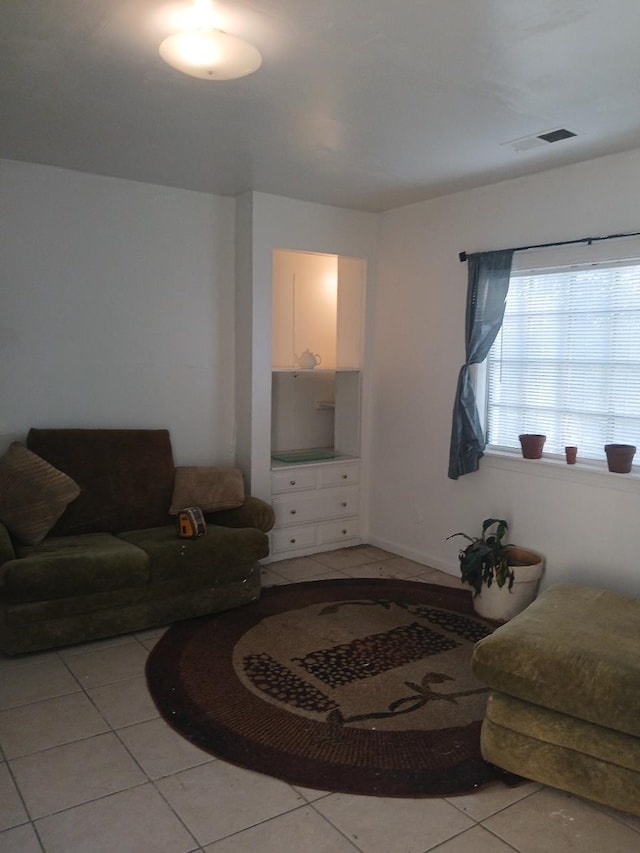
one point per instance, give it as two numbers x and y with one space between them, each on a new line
567 360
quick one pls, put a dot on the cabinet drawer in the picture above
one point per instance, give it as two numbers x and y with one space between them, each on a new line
329 503
339 475
293 538
335 531
293 481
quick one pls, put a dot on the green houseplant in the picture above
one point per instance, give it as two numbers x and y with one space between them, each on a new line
504 577
486 558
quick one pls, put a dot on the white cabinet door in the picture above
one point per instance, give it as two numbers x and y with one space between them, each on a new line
338 531
339 475
316 506
296 480
293 538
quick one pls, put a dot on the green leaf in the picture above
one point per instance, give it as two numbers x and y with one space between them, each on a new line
488 522
460 534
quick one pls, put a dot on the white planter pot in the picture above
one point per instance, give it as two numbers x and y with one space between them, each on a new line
500 604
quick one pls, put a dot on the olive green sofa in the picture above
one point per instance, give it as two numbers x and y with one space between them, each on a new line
564 704
113 562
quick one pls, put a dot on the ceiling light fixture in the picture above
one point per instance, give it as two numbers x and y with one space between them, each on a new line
210 54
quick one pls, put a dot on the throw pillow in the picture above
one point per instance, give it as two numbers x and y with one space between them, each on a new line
208 488
33 494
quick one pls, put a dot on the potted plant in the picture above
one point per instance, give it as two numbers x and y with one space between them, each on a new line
504 577
532 445
620 457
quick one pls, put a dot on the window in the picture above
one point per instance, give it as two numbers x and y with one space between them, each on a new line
567 360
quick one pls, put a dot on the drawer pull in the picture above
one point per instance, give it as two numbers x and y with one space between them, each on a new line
292 482
292 541
344 532
293 512
344 476
344 503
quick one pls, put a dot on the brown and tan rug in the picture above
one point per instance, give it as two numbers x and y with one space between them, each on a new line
359 686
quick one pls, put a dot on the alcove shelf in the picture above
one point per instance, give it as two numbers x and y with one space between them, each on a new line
318 305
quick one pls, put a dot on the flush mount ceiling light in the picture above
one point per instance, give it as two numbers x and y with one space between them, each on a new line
210 54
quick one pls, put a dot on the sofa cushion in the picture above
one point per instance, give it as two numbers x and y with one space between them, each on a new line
210 488
214 558
73 565
126 476
574 650
33 494
254 512
16 613
552 727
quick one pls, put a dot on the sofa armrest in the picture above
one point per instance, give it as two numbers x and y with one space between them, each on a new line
6 546
254 512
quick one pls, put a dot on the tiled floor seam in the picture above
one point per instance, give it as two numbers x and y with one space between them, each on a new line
113 794
86 802
37 835
112 730
63 743
69 653
175 813
267 820
154 782
617 816
479 821
29 823
503 840
148 781
22 799
486 829
333 826
35 702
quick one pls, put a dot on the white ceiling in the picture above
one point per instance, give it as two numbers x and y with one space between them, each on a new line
367 104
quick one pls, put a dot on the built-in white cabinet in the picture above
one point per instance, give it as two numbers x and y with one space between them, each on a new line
317 507
316 390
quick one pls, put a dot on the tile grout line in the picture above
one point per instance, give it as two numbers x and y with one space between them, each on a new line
110 730
495 835
30 821
333 826
266 820
153 783
150 781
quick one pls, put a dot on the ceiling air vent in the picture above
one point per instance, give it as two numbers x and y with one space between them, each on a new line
539 140
557 135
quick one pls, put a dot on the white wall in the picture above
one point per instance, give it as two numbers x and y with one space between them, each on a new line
584 524
116 308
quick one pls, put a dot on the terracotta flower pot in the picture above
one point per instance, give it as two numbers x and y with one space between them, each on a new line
619 457
571 453
532 445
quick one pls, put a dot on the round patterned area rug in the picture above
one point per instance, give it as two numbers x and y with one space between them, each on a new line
358 686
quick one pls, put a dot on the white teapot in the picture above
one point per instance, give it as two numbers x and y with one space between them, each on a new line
308 360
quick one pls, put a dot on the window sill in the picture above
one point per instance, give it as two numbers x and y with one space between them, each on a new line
586 473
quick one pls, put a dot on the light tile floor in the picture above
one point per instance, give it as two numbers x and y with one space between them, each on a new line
88 766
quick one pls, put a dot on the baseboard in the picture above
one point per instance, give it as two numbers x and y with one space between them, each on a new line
413 554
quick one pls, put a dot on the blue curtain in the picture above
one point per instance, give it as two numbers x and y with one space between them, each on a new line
487 288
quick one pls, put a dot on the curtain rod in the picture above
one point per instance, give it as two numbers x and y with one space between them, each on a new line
588 240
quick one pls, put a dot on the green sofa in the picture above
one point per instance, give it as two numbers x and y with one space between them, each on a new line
113 562
564 706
